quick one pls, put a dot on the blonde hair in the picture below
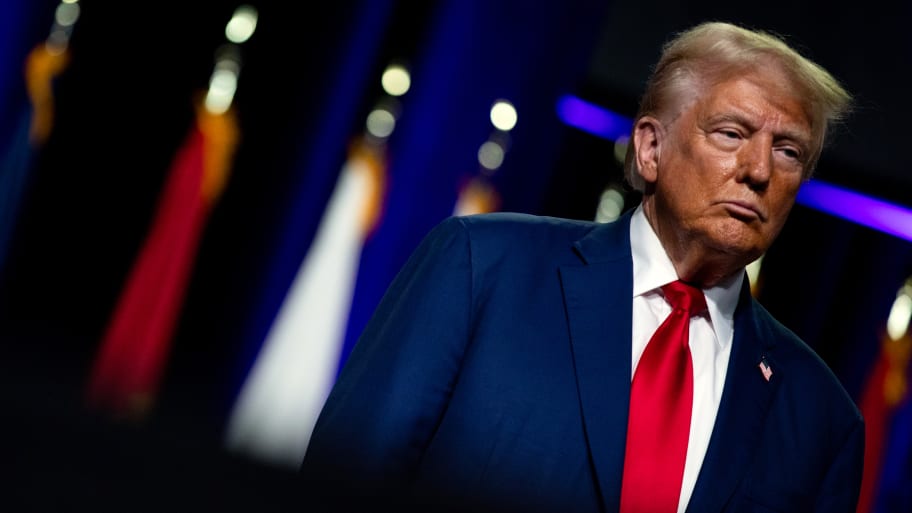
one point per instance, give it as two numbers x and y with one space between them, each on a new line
712 52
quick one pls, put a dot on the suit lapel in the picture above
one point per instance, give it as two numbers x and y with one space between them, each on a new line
597 297
739 422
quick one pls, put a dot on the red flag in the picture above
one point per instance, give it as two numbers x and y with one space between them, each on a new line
136 344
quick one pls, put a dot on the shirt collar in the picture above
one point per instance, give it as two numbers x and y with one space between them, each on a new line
652 269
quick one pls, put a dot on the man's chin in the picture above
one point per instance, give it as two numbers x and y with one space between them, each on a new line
739 247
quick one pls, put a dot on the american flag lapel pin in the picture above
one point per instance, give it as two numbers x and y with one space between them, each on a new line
765 368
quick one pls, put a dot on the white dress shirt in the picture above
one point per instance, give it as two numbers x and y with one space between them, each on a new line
710 337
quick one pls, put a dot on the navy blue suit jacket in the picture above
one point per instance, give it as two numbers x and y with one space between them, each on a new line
495 374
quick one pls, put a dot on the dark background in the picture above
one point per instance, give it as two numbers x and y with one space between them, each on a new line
124 106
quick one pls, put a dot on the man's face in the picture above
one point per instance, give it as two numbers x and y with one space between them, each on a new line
726 171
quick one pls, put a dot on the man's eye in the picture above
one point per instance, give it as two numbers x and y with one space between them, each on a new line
791 153
731 134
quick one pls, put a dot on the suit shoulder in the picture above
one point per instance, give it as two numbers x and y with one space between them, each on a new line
518 225
803 365
507 236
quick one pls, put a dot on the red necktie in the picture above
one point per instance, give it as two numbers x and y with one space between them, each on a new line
661 397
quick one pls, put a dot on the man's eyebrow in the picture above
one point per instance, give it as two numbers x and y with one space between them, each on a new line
732 117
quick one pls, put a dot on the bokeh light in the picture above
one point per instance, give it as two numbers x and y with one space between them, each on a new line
503 115
491 155
242 24
396 80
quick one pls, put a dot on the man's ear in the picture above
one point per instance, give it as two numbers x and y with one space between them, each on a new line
648 135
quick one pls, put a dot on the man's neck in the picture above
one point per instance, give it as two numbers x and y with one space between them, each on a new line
694 262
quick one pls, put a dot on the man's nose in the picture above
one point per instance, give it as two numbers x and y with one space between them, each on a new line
756 164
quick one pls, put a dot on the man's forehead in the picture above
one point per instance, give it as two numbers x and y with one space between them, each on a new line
756 100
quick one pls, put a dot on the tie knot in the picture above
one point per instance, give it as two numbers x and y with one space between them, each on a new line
684 296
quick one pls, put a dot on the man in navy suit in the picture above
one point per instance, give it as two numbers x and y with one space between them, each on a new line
501 370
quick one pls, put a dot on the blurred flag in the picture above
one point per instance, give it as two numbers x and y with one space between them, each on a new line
476 196
895 484
134 349
886 392
281 398
32 129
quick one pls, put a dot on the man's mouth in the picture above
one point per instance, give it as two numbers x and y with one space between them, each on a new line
744 210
